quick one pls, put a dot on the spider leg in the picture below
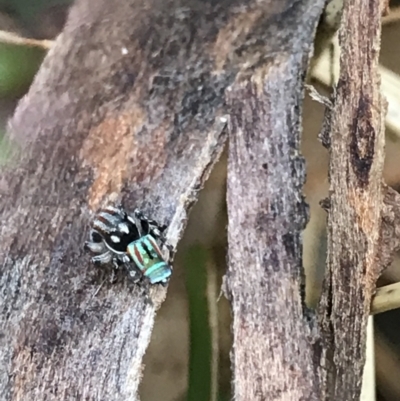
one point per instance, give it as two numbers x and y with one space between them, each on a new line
155 228
133 271
101 226
123 258
113 277
95 236
145 292
117 209
103 259
141 216
135 275
115 263
170 253
169 247
156 232
164 283
138 214
95 247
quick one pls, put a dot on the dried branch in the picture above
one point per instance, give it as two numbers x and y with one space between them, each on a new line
12 38
126 106
356 200
272 354
392 17
386 298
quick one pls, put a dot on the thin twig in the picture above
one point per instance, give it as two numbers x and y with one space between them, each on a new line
14 39
392 17
386 298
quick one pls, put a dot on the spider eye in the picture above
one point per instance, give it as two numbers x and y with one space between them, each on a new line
96 237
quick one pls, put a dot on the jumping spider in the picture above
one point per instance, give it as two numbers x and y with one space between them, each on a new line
134 242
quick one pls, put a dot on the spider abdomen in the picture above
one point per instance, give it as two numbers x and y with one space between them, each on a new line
148 258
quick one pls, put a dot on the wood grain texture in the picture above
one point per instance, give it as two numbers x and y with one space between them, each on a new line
355 219
125 107
272 353
279 353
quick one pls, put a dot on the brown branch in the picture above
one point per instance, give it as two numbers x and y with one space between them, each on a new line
126 106
272 354
356 199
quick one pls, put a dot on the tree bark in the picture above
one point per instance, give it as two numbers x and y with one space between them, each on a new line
126 106
357 252
272 353
130 106
279 351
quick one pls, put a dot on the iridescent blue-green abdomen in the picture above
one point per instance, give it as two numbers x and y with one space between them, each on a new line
148 258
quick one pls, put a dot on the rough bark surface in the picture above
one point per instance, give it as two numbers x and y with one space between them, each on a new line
358 244
126 107
278 352
272 353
